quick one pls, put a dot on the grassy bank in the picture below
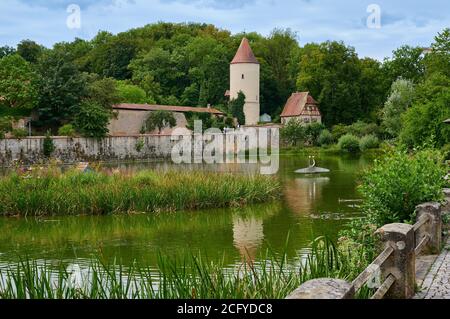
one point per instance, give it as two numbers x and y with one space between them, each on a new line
182 277
49 192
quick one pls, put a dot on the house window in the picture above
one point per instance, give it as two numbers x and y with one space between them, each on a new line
243 76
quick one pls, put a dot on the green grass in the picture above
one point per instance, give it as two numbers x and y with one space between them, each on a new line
183 277
49 192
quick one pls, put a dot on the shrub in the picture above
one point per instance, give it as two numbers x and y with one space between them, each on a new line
66 130
399 182
446 151
361 129
338 131
19 133
312 132
140 143
325 138
369 142
293 133
349 143
159 120
92 120
5 125
49 145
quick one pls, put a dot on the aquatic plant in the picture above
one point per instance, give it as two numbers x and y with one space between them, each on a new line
183 277
49 192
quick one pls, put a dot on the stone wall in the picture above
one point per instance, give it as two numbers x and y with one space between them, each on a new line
69 150
122 148
131 122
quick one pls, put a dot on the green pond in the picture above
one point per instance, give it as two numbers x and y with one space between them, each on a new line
311 206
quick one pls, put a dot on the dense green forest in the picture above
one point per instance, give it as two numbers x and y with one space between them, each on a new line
188 64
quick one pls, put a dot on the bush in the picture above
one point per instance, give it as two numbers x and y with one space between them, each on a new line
399 182
92 120
325 138
5 125
361 129
19 133
49 145
369 142
67 130
293 133
338 131
446 151
349 143
140 144
312 132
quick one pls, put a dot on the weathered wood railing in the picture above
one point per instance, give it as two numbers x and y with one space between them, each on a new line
393 272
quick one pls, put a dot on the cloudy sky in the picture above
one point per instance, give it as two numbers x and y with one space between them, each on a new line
413 22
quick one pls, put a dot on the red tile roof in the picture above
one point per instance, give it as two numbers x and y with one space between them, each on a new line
244 54
179 109
297 103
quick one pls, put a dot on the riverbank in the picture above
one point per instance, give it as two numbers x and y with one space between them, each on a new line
329 150
51 193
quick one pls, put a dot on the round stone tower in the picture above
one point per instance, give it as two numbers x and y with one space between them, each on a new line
244 76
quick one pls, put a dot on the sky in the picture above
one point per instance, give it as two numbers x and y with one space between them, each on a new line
375 27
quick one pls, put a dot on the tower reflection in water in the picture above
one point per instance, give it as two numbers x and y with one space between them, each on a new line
301 194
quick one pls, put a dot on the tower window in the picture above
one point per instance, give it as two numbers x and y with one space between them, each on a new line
243 76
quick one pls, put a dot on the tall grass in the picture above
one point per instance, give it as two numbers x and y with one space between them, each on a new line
188 277
50 192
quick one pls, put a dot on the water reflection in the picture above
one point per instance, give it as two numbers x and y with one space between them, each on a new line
234 235
248 236
302 193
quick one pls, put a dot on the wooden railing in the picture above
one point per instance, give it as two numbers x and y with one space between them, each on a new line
393 272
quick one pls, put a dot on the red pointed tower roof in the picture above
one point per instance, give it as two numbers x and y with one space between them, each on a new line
244 54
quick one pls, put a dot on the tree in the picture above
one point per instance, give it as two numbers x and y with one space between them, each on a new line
129 93
18 83
111 55
92 119
438 61
331 73
277 52
407 62
61 89
293 133
104 92
160 120
30 50
400 99
6 50
423 122
237 108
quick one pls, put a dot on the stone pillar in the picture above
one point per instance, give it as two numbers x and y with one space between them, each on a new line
324 289
446 207
433 228
401 264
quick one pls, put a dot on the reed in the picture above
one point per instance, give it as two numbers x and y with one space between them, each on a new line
50 192
182 277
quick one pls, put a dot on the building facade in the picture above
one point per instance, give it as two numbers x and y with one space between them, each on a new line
301 106
131 118
245 77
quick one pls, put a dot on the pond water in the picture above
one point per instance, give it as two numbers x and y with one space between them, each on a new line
311 206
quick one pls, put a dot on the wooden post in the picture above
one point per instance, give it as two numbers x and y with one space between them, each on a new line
401 264
433 228
324 289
